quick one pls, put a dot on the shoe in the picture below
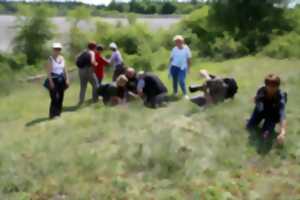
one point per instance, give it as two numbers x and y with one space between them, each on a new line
186 97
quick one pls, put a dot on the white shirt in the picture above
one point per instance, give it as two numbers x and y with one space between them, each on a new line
58 64
180 57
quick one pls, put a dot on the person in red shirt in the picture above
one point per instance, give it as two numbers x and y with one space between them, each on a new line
101 63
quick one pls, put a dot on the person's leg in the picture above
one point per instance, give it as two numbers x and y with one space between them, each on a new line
174 74
61 93
199 100
255 119
159 99
52 103
181 76
83 84
93 81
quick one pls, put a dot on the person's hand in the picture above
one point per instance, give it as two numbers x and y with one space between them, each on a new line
51 85
280 138
67 84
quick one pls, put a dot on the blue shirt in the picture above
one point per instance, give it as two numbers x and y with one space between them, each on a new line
180 57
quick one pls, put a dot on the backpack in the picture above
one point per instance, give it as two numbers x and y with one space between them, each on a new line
83 60
232 87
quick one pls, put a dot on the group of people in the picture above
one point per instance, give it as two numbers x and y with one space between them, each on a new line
128 85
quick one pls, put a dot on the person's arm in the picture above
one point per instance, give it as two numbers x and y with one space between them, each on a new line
140 87
93 58
66 73
283 122
204 73
49 70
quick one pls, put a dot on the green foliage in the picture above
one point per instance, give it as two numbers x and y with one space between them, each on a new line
168 8
81 13
34 31
132 18
251 22
285 46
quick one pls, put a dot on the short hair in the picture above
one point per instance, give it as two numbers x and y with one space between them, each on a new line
92 45
122 78
272 79
99 47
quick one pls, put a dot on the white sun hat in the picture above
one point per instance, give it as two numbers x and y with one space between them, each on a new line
113 45
178 37
57 45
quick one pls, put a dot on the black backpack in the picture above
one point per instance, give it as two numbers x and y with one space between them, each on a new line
232 87
84 60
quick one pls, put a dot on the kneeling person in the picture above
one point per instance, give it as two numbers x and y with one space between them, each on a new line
114 93
151 89
269 107
215 89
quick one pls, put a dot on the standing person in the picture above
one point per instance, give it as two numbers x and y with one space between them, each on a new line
84 62
58 80
151 89
101 63
269 107
180 61
116 60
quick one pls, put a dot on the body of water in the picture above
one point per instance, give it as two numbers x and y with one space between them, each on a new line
8 26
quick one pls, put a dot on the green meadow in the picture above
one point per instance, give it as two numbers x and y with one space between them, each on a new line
135 153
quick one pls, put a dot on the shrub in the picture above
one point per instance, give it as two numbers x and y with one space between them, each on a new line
34 31
284 46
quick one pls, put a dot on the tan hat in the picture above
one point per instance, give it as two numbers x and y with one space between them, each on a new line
178 37
56 45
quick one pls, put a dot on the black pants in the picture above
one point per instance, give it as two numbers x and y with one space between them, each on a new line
155 101
57 97
199 100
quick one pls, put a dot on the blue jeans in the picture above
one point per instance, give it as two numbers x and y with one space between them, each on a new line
257 117
178 75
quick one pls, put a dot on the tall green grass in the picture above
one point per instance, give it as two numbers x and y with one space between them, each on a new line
131 152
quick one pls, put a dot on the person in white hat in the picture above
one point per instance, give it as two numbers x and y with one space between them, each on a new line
116 61
180 61
57 81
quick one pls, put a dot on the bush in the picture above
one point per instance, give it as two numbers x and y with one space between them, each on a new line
226 47
34 33
284 46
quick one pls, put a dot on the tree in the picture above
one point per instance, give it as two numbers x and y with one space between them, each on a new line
168 8
251 21
78 14
34 31
77 38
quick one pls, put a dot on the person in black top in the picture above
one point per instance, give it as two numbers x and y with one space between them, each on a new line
114 93
151 89
270 104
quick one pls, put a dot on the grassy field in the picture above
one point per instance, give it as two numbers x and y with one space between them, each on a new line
130 152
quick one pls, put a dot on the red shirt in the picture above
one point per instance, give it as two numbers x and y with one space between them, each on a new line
99 69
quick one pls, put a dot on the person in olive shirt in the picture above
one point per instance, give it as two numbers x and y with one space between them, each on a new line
270 103
216 89
151 89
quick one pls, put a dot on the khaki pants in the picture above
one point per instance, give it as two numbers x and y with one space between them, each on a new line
87 75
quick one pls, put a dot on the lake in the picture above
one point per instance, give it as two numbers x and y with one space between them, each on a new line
8 23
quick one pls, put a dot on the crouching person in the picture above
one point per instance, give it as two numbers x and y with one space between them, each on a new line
114 93
270 104
152 90
215 89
